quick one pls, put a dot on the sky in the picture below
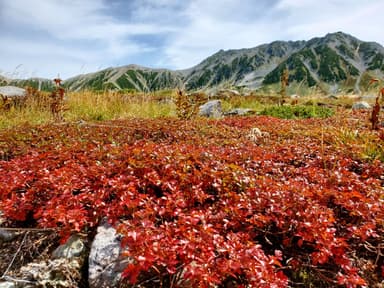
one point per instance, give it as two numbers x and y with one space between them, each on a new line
47 38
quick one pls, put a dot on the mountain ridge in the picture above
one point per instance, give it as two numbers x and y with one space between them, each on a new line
336 58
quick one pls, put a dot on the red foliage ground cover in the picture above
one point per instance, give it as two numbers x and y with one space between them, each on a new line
197 199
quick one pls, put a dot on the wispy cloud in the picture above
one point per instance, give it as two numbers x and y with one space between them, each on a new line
72 37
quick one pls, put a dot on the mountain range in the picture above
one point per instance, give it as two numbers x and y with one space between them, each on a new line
336 58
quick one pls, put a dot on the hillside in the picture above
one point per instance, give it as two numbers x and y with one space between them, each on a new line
336 58
126 77
37 83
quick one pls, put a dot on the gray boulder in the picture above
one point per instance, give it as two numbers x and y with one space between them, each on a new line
105 262
240 112
361 105
211 109
12 91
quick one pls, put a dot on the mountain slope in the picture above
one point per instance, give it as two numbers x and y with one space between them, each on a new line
126 77
245 67
336 58
37 83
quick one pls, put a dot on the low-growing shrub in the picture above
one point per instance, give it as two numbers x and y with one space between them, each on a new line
198 202
297 112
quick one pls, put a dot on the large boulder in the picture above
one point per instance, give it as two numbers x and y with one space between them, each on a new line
105 262
211 109
12 91
361 105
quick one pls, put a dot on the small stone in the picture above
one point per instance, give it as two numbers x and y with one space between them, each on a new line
361 105
74 247
240 112
7 236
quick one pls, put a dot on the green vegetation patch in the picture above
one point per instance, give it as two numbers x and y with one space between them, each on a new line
297 112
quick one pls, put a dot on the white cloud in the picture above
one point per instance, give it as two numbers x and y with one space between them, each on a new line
82 36
311 18
229 24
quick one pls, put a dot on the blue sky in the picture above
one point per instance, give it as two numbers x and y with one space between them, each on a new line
44 38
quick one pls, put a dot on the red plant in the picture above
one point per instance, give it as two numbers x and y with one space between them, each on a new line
376 108
199 200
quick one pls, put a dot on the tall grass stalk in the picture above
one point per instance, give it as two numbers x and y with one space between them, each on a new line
88 106
111 105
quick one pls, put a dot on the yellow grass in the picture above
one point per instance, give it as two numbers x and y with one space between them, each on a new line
88 106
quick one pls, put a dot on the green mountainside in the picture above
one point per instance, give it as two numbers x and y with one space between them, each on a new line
37 83
130 77
336 58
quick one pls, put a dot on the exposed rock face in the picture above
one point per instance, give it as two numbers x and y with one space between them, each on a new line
105 261
361 105
211 109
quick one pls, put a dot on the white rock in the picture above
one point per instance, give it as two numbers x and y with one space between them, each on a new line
256 134
8 284
361 105
105 261
211 109
12 91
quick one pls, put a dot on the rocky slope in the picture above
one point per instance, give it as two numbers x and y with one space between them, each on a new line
37 83
336 58
127 77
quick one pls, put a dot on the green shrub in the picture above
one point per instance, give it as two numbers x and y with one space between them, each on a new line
295 112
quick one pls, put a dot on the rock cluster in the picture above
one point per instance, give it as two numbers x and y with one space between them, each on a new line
71 261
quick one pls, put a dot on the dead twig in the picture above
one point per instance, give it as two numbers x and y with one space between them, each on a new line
14 256
28 229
